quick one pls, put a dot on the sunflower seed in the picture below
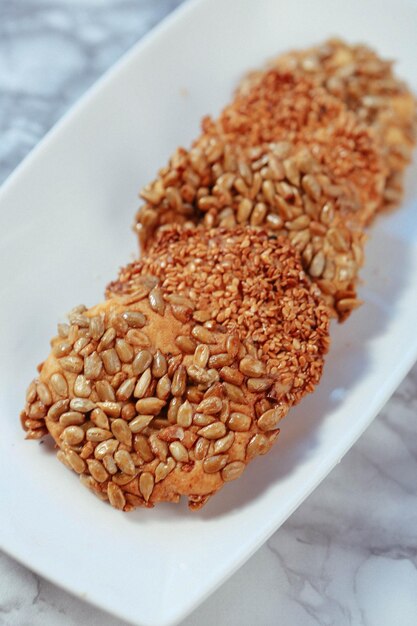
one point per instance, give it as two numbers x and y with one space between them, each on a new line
98 434
99 418
87 450
122 432
258 214
128 411
213 431
185 415
231 375
202 376
220 360
251 367
311 186
97 326
163 387
186 344
77 319
149 406
200 419
110 464
124 462
317 265
61 349
215 463
233 345
87 350
120 325
146 485
76 462
163 469
143 383
124 351
256 385
135 319
60 455
232 471
194 395
31 393
173 409
71 418
270 419
140 422
97 470
72 364
82 387
44 394
141 362
201 355
107 339
82 405
116 497
201 316
80 344
224 444
142 447
239 422
159 365
203 335
156 300
244 210
201 448
72 435
178 451
58 409
210 405
125 390
179 381
37 410
348 304
111 361
182 314
171 433
106 447
138 338
158 447
92 366
234 393
105 391
112 409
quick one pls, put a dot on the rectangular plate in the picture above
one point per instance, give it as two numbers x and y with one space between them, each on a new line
65 218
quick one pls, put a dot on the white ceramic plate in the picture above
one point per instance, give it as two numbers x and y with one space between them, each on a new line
65 217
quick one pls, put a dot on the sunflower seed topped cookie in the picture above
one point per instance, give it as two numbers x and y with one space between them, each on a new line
287 156
367 84
175 382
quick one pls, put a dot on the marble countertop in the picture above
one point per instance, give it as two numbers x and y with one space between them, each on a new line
348 555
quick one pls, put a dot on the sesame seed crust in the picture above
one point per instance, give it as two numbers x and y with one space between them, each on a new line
170 387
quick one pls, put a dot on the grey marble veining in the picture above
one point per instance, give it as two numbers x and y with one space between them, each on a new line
51 51
348 555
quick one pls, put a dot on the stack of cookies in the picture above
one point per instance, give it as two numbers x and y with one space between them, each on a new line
252 241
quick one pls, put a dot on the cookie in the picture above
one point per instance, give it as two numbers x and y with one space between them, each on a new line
181 377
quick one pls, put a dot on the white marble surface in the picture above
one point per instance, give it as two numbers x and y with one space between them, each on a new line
348 556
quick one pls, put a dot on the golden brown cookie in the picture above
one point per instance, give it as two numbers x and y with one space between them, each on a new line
175 382
368 86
